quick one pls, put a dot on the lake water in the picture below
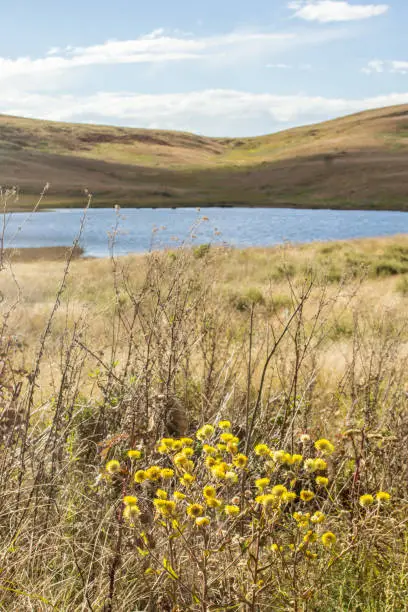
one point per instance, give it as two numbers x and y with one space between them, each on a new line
140 229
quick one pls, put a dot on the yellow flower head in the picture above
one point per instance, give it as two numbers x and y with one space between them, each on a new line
222 447
209 450
202 521
306 495
310 537
186 442
279 490
205 432
134 454
210 462
318 517
366 500
167 473
224 425
289 496
262 450
219 471
324 446
382 497
321 481
310 465
282 457
328 539
213 502
179 496
320 464
167 443
161 494
231 476
140 476
297 459
310 555
131 512
240 460
130 500
177 445
232 447
188 451
195 510
231 510
153 473
262 483
165 507
227 437
113 466
187 479
268 501
209 491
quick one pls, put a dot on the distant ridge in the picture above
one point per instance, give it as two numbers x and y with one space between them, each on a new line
358 161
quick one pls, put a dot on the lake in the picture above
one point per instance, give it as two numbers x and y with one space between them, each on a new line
139 230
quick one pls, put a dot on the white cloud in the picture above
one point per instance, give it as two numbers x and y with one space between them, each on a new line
215 112
380 66
326 11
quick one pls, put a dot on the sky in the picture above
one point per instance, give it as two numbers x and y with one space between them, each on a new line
219 67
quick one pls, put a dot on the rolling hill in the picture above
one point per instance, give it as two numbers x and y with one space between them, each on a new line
359 161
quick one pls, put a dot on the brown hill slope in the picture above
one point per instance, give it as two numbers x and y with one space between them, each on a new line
359 161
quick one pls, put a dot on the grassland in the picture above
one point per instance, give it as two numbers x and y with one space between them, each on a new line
353 162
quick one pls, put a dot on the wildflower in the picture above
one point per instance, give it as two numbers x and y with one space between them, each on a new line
382 497
210 462
306 495
262 483
209 491
130 500
224 425
231 510
165 507
188 451
231 476
179 496
213 502
131 512
324 446
318 517
328 539
134 454
187 479
167 473
186 442
281 456
276 548
183 462
113 466
366 500
209 450
310 555
305 438
227 437
322 481
222 447
296 459
279 490
219 471
240 461
205 432
195 510
289 496
167 443
262 450
235 500
267 501
232 447
309 537
320 464
202 521
177 445
161 494
310 465
140 476
153 473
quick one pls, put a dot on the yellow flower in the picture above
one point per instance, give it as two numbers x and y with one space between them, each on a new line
306 495
320 464
227 437
167 473
224 425
165 507
262 450
209 450
187 442
310 555
231 510
187 479
140 476
179 496
130 500
213 502
328 539
267 501
210 462
276 548
177 445
279 490
366 500
309 537
205 432
188 451
219 471
240 461
318 517
222 447
113 466
261 483
297 459
167 443
131 512
324 446
134 454
231 476
382 497
209 491
282 457
310 465
161 494
305 438
289 496
322 481
232 447
195 510
202 521
153 473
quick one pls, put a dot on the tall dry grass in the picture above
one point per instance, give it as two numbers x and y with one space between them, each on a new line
289 345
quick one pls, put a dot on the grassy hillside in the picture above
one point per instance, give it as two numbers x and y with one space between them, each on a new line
355 161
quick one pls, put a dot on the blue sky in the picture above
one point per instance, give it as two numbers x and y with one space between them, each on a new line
221 68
